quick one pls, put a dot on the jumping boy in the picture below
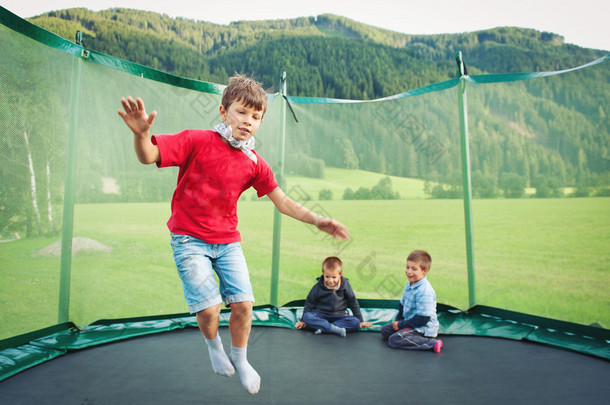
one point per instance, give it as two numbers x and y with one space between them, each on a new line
216 167
326 305
416 325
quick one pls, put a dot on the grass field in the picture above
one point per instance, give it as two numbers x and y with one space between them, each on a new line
546 257
337 180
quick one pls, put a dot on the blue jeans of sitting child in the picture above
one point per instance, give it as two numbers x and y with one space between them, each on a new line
408 339
317 320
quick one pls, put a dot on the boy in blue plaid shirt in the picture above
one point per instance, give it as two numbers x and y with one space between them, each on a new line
416 325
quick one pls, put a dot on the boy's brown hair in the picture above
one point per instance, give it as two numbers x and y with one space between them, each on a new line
332 263
421 257
246 90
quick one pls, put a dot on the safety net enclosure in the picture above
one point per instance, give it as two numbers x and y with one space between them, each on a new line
82 222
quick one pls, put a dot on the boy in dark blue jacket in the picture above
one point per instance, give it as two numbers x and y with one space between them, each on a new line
327 302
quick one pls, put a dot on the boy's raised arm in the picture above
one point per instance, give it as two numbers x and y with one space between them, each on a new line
136 118
288 206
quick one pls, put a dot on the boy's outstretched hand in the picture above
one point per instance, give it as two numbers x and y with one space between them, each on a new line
135 116
334 228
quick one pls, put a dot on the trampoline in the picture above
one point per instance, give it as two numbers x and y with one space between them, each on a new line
298 367
490 355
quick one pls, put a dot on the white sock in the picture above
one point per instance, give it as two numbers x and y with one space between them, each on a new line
338 331
248 376
218 357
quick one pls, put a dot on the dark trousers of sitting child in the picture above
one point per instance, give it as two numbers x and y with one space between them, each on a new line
339 325
409 339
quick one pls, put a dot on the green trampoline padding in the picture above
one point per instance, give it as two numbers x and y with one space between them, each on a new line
22 352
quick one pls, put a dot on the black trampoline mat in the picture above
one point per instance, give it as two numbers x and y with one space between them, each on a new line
298 367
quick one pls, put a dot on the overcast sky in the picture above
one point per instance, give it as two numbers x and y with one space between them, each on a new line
583 22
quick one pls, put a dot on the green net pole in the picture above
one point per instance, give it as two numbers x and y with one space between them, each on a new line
466 180
277 216
69 192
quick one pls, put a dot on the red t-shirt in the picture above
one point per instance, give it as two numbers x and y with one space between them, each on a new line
211 178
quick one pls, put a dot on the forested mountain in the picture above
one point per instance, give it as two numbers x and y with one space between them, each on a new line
550 133
534 134
325 56
542 133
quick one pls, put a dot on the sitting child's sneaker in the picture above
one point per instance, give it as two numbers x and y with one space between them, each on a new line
438 345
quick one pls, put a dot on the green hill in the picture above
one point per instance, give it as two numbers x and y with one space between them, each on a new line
552 132
316 51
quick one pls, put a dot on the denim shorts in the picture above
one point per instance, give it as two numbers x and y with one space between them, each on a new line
197 261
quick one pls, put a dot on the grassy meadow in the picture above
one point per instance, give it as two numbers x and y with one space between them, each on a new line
546 257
